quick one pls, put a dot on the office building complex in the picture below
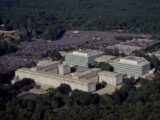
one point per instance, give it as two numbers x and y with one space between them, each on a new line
131 65
82 57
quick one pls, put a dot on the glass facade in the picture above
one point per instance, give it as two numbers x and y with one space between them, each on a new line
80 60
129 69
76 60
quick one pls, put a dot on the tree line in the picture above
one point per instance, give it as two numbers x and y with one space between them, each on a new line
50 18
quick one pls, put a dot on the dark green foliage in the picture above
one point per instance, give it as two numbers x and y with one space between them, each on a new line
81 98
5 77
6 46
105 66
64 89
24 85
55 55
114 52
84 98
102 65
49 18
53 32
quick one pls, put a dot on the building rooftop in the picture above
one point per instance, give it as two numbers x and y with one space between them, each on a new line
54 75
104 58
127 49
63 65
133 60
46 65
43 63
63 53
81 68
86 53
87 73
107 73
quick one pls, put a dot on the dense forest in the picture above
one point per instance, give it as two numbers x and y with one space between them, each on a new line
50 18
129 103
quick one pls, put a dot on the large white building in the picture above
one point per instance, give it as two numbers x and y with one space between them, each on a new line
52 74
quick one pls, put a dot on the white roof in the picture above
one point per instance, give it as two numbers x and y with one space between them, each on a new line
104 58
43 63
107 73
133 60
86 53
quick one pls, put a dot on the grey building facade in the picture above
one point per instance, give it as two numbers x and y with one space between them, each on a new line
131 65
82 58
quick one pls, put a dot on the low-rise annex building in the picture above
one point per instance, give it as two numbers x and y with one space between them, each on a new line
110 78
